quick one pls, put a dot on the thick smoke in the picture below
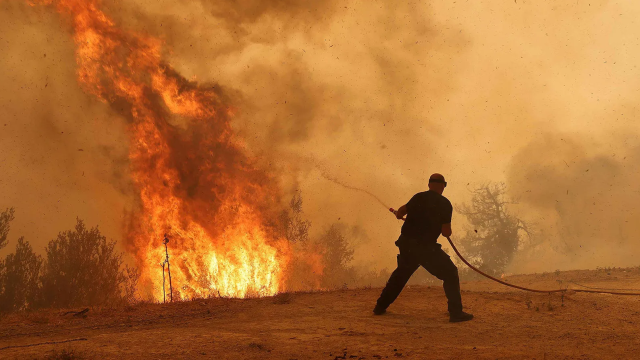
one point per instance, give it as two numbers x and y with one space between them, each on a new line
62 153
381 93
586 199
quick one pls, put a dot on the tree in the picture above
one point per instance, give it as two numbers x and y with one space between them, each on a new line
305 266
19 278
5 219
296 228
337 255
319 262
494 234
82 268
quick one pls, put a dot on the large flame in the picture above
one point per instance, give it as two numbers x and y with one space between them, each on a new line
195 181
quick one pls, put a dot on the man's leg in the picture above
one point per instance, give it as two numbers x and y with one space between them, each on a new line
397 281
439 264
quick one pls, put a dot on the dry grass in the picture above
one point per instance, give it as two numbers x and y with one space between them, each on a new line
314 324
39 318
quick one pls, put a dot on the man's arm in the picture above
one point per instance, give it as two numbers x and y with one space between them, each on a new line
401 212
446 221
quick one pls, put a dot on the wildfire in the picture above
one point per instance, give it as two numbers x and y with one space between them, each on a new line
194 180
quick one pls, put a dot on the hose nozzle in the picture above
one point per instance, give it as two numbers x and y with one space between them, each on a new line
395 212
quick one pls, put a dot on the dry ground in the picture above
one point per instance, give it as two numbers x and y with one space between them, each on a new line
339 325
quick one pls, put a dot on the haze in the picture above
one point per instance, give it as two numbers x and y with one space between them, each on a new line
378 94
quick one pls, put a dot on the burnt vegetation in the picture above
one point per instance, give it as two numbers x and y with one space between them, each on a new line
80 268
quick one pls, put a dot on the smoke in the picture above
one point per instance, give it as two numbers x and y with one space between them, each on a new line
383 93
61 150
585 196
352 86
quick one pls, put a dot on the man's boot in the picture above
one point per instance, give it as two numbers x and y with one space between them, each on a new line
379 310
460 317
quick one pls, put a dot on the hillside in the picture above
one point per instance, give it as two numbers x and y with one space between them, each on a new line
339 325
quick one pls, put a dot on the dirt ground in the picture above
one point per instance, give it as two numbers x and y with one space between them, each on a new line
340 325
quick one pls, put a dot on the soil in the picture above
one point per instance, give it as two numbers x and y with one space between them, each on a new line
509 324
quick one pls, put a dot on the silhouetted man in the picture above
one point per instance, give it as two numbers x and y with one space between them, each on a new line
428 215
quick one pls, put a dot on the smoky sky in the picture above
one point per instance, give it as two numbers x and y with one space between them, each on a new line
61 150
381 94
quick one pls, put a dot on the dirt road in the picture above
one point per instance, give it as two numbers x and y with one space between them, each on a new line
339 325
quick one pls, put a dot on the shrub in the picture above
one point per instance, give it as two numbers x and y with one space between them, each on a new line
19 278
495 233
337 255
82 268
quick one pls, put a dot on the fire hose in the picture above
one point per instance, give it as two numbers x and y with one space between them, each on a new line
522 287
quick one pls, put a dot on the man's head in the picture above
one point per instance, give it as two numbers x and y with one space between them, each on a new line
437 183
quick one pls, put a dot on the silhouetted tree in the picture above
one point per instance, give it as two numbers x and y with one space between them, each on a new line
296 228
5 219
19 278
322 261
494 234
305 265
337 255
82 268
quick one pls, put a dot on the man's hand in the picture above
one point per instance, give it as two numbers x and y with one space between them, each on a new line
401 212
446 230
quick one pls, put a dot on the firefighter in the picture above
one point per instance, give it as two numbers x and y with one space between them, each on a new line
428 215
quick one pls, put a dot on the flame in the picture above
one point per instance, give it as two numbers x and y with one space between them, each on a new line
194 179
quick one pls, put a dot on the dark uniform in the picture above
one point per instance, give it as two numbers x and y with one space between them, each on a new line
426 213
